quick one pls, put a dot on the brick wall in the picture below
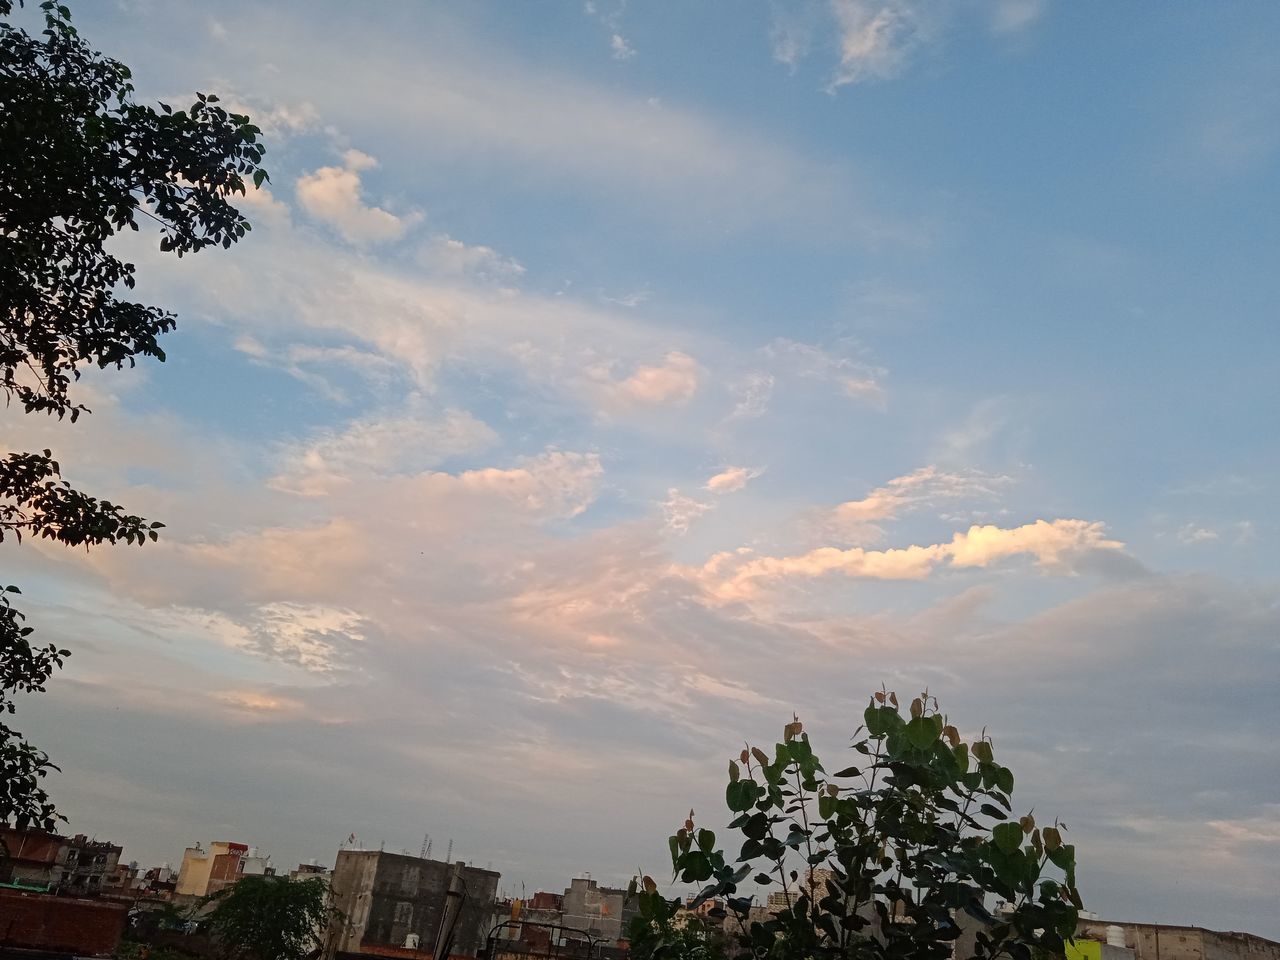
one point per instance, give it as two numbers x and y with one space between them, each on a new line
44 922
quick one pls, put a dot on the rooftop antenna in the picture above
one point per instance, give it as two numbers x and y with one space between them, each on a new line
448 857
426 847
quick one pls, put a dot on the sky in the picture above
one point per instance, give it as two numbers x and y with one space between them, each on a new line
602 383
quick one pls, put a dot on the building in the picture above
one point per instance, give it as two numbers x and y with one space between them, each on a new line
397 900
310 871
204 872
1159 941
603 912
73 865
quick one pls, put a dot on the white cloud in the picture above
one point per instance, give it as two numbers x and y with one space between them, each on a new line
732 479
877 38
445 256
1013 16
333 195
679 511
860 520
753 393
622 50
855 377
1191 533
458 102
276 119
791 31
378 445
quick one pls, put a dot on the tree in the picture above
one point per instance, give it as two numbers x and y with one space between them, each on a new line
270 918
882 858
80 161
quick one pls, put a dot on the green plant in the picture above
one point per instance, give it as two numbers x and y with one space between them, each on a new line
882 858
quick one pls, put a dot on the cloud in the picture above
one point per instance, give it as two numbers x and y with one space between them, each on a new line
753 393
856 378
674 381
455 102
877 38
622 50
1013 16
679 511
558 483
732 479
278 120
1190 533
377 445
791 31
859 520
1054 545
445 256
332 195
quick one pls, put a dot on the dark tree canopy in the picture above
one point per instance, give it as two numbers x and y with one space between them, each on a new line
80 161
270 918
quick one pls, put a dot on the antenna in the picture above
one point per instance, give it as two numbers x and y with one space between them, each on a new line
448 857
426 847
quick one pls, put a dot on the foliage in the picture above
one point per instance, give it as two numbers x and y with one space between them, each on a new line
23 668
270 918
880 858
80 161
661 930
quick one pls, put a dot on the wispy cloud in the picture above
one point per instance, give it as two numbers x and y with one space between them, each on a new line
680 511
877 38
861 521
854 377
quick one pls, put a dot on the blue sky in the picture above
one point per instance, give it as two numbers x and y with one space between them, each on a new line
601 383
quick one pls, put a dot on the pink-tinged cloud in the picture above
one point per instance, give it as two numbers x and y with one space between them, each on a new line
732 479
332 194
674 381
740 576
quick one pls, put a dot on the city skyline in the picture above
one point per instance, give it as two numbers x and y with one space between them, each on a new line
601 383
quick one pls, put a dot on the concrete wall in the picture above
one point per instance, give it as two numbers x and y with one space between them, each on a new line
383 897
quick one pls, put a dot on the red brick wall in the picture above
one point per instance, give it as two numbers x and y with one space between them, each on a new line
42 921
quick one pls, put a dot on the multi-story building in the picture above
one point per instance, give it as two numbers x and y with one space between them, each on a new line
204 872
75 865
396 900
603 912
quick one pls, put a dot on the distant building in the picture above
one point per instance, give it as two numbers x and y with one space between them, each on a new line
396 900
72 865
204 872
603 912
310 871
1159 941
